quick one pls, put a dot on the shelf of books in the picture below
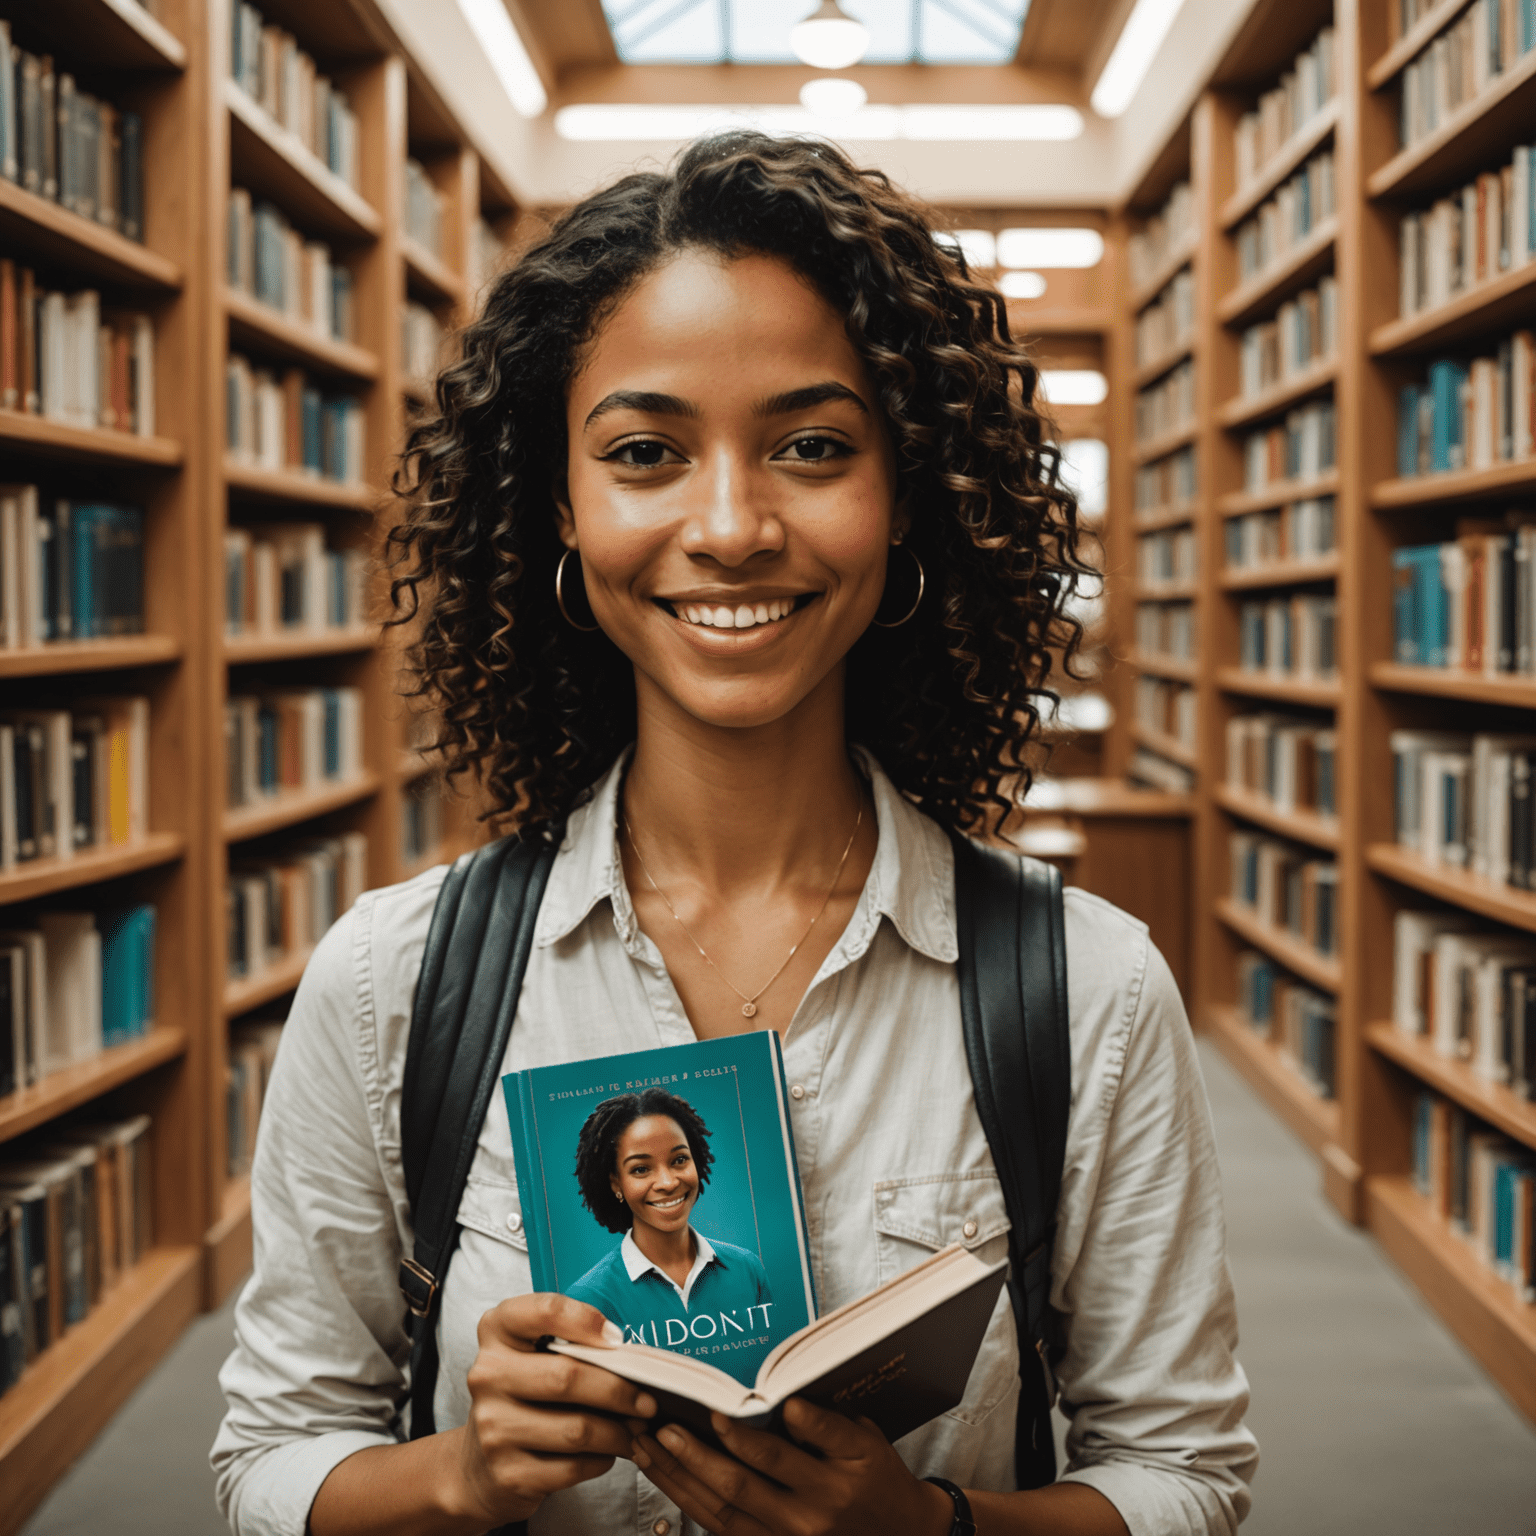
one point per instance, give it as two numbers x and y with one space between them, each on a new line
103 933
1358 555
204 263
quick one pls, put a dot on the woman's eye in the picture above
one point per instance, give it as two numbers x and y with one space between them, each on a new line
816 450
639 455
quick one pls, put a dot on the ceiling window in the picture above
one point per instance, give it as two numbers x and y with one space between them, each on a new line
757 31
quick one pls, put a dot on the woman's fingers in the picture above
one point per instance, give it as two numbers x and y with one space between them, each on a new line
737 1487
833 1434
521 1321
701 1503
550 1378
555 1431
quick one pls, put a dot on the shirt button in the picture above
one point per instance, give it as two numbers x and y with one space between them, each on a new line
662 1527
969 1229
797 1092
515 1221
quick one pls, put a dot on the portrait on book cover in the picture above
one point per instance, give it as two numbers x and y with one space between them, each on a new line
667 1210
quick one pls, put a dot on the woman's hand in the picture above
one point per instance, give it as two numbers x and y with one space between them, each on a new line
540 1422
856 1486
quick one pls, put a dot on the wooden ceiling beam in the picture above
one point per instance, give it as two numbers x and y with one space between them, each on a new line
765 84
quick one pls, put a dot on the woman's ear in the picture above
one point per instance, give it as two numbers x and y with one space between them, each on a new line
565 519
617 1188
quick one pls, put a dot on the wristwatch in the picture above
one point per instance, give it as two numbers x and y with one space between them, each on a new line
963 1525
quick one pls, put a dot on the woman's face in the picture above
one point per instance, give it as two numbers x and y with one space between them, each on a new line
655 1176
731 486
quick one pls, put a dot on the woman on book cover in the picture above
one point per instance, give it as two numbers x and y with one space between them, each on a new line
740 566
642 1162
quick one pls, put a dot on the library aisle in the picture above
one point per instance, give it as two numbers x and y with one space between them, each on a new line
1371 1418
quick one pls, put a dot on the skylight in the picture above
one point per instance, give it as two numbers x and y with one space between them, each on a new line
757 31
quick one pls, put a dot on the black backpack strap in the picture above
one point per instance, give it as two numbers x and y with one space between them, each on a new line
1013 1008
466 997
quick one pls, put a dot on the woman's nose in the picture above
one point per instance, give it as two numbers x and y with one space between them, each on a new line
732 517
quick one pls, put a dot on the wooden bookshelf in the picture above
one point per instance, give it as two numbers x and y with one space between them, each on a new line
297 489
265 986
1489 1101
59 439
1314 692
293 807
243 650
1515 478
1277 494
1175 667
89 866
1161 446
1299 826
90 655
1363 1137
1292 155
1280 573
1304 263
1482 1311
67 1396
1278 398
70 1087
253 324
1315 1120
202 137
1301 959
1162 517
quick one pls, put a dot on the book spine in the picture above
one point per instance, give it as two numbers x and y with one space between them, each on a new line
520 1110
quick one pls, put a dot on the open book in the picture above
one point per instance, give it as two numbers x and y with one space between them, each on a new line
900 1356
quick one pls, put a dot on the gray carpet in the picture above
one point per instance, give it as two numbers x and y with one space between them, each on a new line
1372 1419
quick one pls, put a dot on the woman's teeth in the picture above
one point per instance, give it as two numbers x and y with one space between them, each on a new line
668 1205
746 616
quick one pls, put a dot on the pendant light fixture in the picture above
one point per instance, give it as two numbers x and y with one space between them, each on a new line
829 38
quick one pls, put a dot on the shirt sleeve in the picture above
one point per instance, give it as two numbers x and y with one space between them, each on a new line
317 1371
1150 1383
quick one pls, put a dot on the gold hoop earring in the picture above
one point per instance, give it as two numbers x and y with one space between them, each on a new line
916 601
565 612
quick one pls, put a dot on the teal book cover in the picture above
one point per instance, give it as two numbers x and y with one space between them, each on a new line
661 1187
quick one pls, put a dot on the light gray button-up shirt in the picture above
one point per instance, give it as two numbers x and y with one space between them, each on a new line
893 1159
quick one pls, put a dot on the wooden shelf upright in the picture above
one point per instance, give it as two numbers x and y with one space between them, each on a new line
202 136
1362 1135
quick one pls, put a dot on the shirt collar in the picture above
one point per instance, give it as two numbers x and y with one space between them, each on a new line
636 1263
911 881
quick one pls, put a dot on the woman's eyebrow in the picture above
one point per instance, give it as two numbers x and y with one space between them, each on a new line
807 399
642 400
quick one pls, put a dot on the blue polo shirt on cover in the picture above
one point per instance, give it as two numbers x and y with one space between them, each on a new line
723 1306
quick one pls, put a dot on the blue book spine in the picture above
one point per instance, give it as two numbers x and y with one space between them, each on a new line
83 533
119 987
332 703
1434 608
1408 431
1405 642
146 948
310 412
1504 1212
1446 404
538 1229
266 728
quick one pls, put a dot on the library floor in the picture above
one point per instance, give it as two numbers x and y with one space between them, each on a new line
1373 1421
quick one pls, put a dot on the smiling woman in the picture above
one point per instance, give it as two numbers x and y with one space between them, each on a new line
738 565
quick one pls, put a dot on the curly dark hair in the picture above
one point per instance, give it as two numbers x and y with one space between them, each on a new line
947 703
597 1148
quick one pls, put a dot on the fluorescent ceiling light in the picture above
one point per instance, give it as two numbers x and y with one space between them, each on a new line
829 38
979 124
1021 285
1073 386
832 97
1043 247
1131 58
489 21
642 121
978 246
1085 469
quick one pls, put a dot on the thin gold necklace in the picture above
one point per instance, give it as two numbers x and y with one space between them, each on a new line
748 1004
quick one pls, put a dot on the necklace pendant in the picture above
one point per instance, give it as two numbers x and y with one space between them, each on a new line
749 1010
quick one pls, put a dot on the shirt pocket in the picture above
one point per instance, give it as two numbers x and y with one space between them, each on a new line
494 1210
914 1218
